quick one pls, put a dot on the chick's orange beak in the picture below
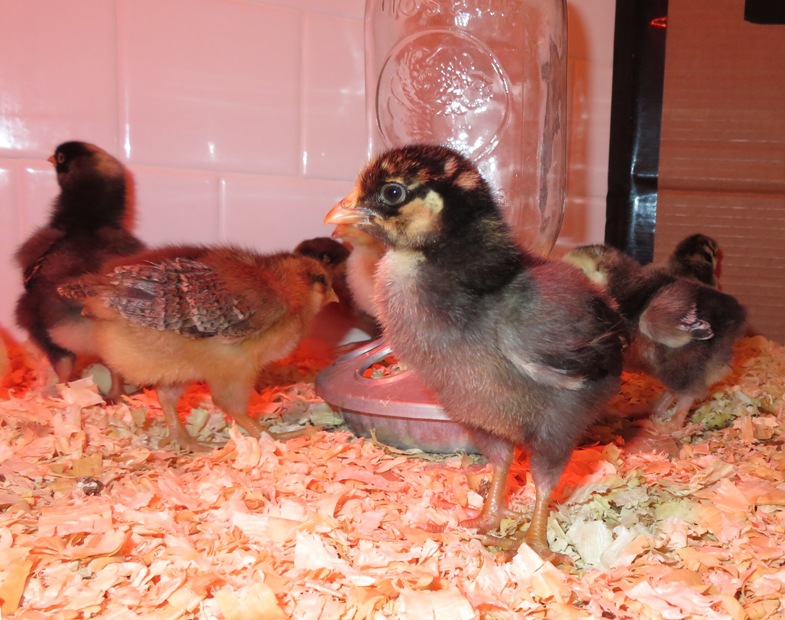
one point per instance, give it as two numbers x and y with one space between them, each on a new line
348 211
51 159
331 297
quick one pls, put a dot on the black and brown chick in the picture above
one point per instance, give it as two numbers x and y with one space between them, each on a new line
682 331
518 349
178 314
89 225
695 257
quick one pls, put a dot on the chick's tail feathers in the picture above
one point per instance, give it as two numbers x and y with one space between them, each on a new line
605 350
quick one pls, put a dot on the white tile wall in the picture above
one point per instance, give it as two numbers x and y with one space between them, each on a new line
333 91
242 120
176 205
197 99
37 188
58 75
277 213
9 236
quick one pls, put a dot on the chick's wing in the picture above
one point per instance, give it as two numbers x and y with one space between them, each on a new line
550 336
190 298
672 318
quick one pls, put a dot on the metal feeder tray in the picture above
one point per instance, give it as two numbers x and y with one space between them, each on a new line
400 410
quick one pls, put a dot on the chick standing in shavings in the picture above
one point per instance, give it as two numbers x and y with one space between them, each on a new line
683 331
518 349
89 225
179 314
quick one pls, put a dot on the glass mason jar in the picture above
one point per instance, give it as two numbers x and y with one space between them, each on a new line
486 77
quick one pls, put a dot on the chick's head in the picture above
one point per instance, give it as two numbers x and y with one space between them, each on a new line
697 257
326 250
75 161
96 189
400 197
312 280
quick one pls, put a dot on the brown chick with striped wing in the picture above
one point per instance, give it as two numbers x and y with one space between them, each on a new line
518 349
171 316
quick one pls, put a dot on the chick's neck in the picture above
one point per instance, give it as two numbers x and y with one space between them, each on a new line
483 257
91 206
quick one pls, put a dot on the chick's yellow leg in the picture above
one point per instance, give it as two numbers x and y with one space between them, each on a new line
546 470
233 398
683 406
64 369
493 509
664 403
168 397
246 422
537 534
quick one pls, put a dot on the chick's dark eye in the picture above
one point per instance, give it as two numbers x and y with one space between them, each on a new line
60 158
319 278
392 194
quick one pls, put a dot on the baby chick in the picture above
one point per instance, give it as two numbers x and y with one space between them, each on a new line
88 226
682 331
179 314
366 252
695 257
333 255
518 349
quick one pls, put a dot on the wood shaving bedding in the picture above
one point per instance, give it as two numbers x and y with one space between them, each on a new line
97 521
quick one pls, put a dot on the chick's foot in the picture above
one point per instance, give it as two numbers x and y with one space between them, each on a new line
490 520
494 509
509 547
116 389
537 534
168 395
305 431
186 443
650 437
548 555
